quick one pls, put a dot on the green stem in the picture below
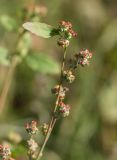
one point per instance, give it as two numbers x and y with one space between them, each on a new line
7 83
14 62
53 119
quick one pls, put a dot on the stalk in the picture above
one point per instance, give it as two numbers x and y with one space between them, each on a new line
53 119
7 83
14 62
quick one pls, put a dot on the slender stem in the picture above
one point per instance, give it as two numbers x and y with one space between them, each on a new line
46 139
9 75
14 62
53 119
61 77
7 83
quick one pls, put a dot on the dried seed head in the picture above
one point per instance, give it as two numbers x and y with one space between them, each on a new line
31 127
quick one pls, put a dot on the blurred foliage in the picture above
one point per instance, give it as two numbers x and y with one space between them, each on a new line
90 132
3 56
42 63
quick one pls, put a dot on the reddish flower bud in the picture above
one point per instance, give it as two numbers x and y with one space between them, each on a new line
83 57
72 32
66 25
63 109
60 90
63 43
31 127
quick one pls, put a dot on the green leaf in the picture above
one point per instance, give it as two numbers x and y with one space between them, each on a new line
8 22
39 29
3 56
42 63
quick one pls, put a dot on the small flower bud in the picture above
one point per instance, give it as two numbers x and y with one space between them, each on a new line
84 62
63 43
60 90
65 25
32 145
72 32
65 29
83 57
63 109
31 128
45 128
68 76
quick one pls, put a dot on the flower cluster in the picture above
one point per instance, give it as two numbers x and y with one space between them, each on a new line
31 127
32 146
67 28
63 42
60 90
63 109
5 152
83 57
68 76
66 33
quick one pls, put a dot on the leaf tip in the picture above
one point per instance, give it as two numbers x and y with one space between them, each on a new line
25 25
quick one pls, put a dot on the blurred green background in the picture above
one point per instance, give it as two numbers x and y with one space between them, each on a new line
90 132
